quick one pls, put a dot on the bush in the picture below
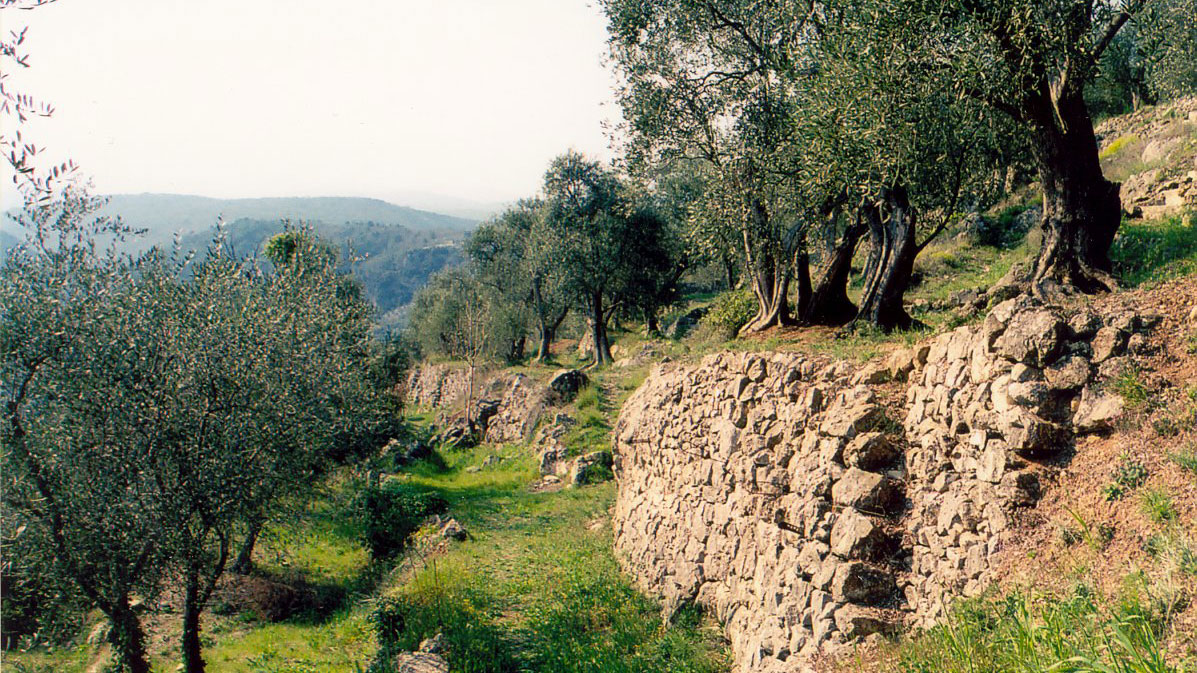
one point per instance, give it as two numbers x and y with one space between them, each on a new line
731 311
1128 475
442 600
390 513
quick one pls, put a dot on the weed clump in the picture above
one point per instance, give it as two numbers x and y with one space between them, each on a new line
1129 475
391 512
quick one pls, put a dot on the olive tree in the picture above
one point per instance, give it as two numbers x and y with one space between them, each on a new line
157 405
518 256
83 346
1033 61
714 83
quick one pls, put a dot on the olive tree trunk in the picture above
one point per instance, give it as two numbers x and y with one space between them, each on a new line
892 250
127 637
1081 208
598 329
829 303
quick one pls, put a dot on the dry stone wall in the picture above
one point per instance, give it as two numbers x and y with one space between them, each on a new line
765 488
778 492
439 385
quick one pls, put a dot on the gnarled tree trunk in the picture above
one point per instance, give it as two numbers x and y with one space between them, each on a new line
891 224
829 303
244 563
1081 208
598 330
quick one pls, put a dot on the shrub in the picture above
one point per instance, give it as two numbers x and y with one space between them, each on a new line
1053 633
390 513
443 600
731 311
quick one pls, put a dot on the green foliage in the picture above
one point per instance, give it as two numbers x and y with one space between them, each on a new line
1158 506
1187 459
1133 389
443 599
1154 252
165 403
1118 145
456 316
391 513
1128 475
730 311
1051 633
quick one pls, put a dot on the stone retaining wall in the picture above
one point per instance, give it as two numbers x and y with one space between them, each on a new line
775 490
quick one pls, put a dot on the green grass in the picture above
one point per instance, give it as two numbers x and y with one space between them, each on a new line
1133 389
1153 252
1158 506
1021 633
972 266
1118 145
537 586
1186 459
593 431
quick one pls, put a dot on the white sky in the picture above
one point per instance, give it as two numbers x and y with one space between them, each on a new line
382 98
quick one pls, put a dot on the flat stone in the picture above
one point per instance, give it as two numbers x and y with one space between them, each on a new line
1097 411
856 622
866 491
1110 342
420 662
870 451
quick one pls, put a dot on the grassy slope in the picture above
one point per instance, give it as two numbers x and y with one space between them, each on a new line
540 560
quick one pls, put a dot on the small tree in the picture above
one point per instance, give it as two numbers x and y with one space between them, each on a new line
156 406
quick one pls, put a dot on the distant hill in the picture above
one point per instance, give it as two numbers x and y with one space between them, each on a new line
164 215
401 247
394 262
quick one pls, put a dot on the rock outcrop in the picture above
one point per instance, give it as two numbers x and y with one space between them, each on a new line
777 491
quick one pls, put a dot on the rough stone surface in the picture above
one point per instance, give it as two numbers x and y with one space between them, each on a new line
566 383
772 488
521 403
436 385
420 662
1097 411
726 473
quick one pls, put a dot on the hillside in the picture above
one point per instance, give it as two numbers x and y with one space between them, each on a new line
164 215
393 261
398 248
1012 488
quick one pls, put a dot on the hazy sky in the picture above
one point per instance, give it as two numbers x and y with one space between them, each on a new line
234 98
